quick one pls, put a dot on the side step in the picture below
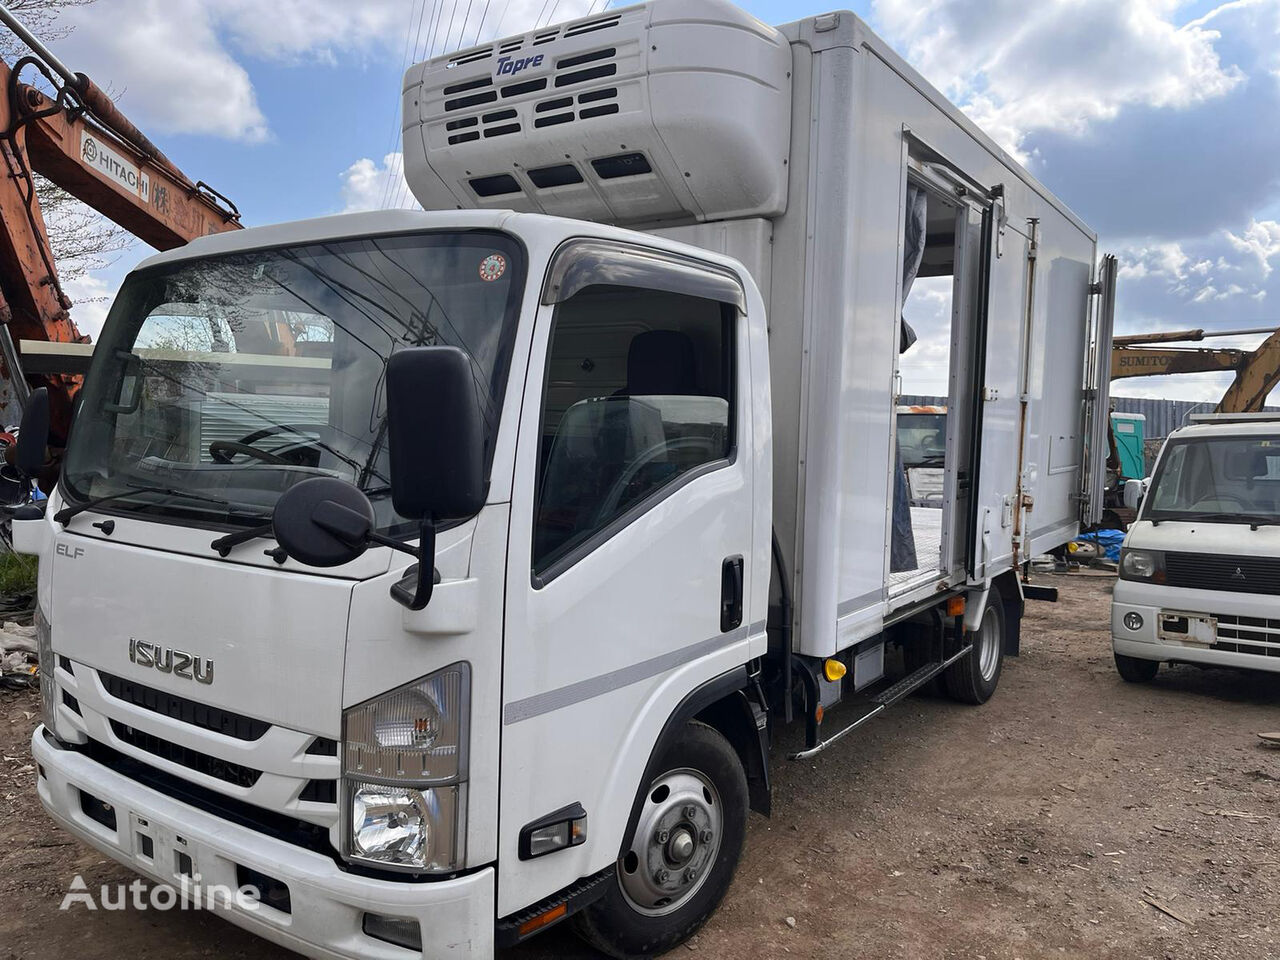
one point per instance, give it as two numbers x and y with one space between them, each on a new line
886 698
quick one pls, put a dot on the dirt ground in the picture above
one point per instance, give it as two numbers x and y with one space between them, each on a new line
1046 824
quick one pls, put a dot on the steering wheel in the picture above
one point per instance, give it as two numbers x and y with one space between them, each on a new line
223 450
609 504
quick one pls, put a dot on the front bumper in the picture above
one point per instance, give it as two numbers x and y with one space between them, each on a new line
326 904
1150 642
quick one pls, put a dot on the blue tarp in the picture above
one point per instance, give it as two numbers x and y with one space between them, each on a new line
1109 540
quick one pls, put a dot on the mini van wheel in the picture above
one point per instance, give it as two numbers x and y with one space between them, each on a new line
680 860
1135 669
974 678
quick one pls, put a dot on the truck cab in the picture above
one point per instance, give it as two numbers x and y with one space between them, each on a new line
201 667
1200 567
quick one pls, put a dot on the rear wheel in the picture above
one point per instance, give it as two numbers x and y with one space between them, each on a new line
682 856
974 678
1136 670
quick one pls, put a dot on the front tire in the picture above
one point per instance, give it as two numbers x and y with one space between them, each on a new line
975 678
1136 670
681 859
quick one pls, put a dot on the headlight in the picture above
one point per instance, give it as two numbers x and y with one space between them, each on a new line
405 766
403 827
1142 565
47 664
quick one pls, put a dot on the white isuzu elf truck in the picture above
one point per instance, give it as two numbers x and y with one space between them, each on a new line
442 575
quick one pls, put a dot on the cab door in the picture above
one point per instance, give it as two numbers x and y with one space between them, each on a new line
638 557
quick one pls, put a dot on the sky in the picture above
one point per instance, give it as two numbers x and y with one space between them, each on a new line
1156 121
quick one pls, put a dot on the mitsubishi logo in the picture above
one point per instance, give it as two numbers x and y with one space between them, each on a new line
1238 575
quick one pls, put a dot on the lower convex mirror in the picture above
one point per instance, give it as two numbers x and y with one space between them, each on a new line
323 522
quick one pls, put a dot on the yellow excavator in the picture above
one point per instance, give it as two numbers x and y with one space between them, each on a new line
1257 371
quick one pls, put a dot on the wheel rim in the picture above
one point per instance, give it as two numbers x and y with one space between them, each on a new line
676 843
989 640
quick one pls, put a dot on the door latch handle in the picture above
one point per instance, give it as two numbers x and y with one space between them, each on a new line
731 594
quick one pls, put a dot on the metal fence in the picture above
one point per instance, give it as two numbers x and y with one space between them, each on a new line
1163 416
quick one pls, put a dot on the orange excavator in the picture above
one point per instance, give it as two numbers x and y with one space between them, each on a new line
1257 371
75 137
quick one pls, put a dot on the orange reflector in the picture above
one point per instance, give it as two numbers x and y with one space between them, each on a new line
833 670
955 607
542 919
819 713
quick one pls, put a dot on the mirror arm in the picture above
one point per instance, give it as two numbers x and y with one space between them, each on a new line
394 544
425 580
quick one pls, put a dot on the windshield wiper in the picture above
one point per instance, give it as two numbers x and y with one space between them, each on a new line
1255 520
64 515
224 544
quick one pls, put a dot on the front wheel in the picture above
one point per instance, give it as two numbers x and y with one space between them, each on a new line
682 856
973 679
1136 670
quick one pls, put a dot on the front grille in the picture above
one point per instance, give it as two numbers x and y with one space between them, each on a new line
297 832
180 708
1207 571
1259 636
224 770
320 791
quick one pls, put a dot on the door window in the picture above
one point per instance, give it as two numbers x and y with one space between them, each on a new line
638 397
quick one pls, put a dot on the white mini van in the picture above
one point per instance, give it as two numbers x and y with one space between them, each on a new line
1200 569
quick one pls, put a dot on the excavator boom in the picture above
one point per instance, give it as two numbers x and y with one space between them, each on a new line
1257 371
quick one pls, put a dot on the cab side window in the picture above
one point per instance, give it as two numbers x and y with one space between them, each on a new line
638 395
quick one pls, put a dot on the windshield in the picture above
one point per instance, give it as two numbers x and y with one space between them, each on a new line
922 438
218 383
1231 479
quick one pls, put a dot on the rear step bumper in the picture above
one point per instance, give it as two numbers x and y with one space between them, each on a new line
318 909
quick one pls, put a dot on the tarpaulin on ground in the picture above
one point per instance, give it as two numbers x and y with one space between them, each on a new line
1108 540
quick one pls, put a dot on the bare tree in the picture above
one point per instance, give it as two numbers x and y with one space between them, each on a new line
82 239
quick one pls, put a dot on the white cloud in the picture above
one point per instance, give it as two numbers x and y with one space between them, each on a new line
314 29
165 60
1261 240
1016 66
91 298
367 185
174 62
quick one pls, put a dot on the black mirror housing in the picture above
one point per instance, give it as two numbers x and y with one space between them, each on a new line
33 435
435 432
323 522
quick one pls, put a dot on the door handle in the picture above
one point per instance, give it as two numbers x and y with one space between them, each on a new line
731 594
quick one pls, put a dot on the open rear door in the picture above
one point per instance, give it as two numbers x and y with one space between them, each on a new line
996 365
1097 395
974 527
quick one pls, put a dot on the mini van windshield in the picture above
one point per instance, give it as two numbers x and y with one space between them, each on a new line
218 383
1222 479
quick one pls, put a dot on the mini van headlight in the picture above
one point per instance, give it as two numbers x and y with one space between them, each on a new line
405 771
1147 565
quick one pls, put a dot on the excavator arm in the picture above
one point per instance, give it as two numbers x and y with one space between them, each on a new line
82 143
1257 371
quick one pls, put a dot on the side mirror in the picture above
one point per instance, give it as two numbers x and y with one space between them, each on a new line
1133 493
435 432
29 455
327 522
